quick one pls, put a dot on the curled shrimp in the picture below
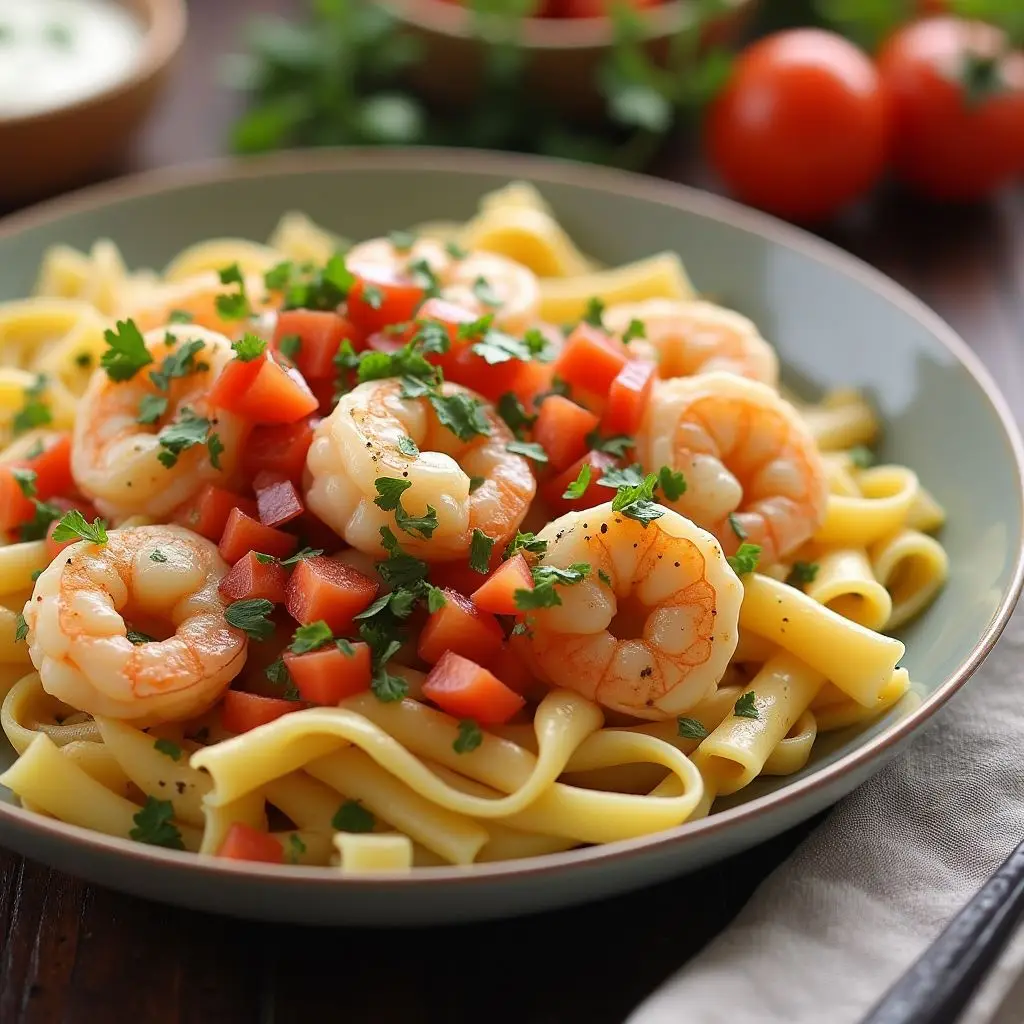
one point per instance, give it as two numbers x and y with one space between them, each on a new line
650 630
160 581
685 338
752 467
116 460
481 282
472 484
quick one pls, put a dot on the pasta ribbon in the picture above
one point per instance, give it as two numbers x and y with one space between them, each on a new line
888 493
914 567
846 583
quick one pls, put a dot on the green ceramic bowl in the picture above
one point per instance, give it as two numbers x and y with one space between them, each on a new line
835 322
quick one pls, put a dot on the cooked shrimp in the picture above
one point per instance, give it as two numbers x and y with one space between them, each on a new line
115 460
751 466
358 444
685 338
160 581
481 282
650 630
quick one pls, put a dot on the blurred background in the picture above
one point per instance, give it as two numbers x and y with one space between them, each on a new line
810 109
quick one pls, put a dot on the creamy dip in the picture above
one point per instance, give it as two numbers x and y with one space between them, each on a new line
55 52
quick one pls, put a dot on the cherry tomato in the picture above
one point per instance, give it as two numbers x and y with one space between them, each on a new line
957 100
801 126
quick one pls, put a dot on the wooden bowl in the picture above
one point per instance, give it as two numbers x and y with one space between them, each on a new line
61 147
563 54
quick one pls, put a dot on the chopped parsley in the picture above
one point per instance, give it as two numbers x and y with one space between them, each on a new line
423 274
475 482
250 347
180 363
399 569
296 848
470 737
407 446
627 476
528 449
672 484
35 412
435 599
527 542
290 346
462 414
20 628
511 410
74 526
746 707
802 572
636 329
617 445
637 502
37 526
737 527
311 637
26 480
215 446
402 241
579 486
180 316
498 347
184 433
485 293
299 556
389 499
233 305
250 616
746 558
170 748
480 548
151 408
455 250
306 286
126 353
153 825
134 637
156 555
861 456
594 313
604 577
352 816
690 728
545 579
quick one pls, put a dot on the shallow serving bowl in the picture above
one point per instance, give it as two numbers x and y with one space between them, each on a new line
563 55
62 147
835 322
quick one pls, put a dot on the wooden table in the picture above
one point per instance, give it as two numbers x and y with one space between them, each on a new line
74 952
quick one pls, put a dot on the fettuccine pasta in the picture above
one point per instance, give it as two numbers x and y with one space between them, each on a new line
450 547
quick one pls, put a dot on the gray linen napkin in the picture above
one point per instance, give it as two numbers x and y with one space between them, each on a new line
863 895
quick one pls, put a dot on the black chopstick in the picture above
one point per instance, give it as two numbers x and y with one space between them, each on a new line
937 988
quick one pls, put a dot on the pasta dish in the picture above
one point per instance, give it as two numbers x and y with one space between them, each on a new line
445 547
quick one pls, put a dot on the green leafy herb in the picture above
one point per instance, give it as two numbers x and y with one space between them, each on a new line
527 542
636 329
475 482
861 456
636 502
579 486
156 555
498 347
74 526
233 305
352 816
20 628
690 728
435 599
802 572
251 617
626 476
134 637
528 449
545 579
511 410
296 848
153 825
617 445
594 313
180 316
252 346
746 558
26 480
37 527
470 737
462 414
290 346
485 293
480 552
310 638
407 446
180 363
373 296
737 527
746 707
35 412
215 446
126 353
389 499
672 484
604 577
307 286
151 408
455 250
184 433
403 241
300 556
170 748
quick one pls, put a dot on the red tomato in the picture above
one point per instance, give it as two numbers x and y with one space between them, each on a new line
243 842
324 588
497 594
328 676
957 107
240 712
466 690
802 125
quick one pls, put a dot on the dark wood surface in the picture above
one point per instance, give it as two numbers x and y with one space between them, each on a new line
78 953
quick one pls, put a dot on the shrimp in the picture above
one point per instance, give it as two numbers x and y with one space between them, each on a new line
685 338
650 630
116 460
359 443
159 581
481 282
751 465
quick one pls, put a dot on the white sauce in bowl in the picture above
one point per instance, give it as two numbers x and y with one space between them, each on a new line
56 52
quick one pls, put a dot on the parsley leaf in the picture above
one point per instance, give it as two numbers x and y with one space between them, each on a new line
250 616
250 347
290 346
470 737
485 293
151 408
476 482
37 526
861 456
526 542
184 433
233 305
745 706
35 412
373 296
170 748
462 414
180 363
594 313
480 552
407 446
455 250
498 347
180 316
746 558
127 353
296 848
616 445
672 484
579 486
20 628
636 502
737 527
636 329
215 446
399 569
545 579
352 816
511 410
311 637
435 599
528 449
299 556
26 480
402 241
389 499
74 526
627 476
134 637
153 825
156 555
802 572
690 728
306 286
604 577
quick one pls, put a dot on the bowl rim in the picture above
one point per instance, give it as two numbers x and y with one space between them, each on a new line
559 172
164 30
455 21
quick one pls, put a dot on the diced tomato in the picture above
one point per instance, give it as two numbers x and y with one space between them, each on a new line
497 593
280 449
561 430
52 469
328 676
589 362
459 575
15 508
243 842
466 690
243 534
554 490
263 391
250 578
461 627
382 296
260 656
207 513
55 547
532 379
324 588
278 502
240 712
628 397
320 335
325 392
512 669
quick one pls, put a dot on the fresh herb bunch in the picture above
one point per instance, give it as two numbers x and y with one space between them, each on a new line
339 78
